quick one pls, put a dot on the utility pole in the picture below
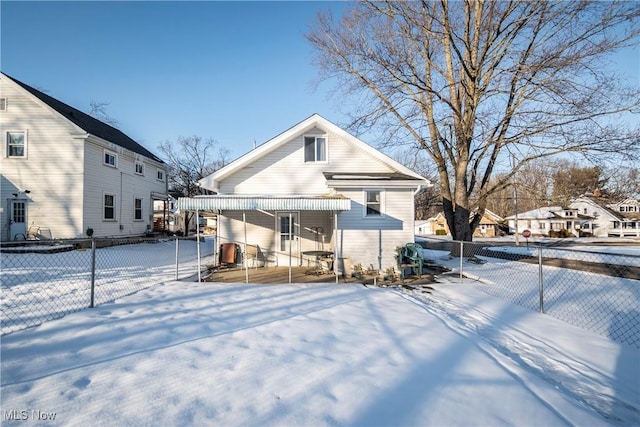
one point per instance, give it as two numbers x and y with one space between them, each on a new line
515 201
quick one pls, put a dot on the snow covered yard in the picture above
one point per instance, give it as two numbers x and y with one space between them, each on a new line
212 354
38 287
607 305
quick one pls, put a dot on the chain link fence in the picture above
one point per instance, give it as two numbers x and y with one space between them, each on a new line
45 280
593 287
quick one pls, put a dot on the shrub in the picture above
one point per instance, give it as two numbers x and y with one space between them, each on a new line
441 232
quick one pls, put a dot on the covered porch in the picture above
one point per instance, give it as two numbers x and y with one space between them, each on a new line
283 231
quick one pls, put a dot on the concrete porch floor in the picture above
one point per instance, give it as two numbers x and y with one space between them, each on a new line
280 275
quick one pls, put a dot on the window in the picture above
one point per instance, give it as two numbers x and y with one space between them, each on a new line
542 226
139 168
315 149
3 104
16 144
160 175
373 203
109 207
110 159
137 209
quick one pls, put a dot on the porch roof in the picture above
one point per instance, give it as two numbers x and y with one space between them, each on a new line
332 202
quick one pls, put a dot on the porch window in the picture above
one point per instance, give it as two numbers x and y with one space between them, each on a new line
137 209
315 149
16 144
109 207
373 203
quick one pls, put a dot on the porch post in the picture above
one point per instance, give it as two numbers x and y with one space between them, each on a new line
246 266
335 245
198 245
290 246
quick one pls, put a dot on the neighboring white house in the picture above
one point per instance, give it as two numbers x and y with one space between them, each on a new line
64 172
620 219
313 188
545 219
423 228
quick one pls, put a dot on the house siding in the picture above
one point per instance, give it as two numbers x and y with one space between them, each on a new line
124 184
377 246
52 170
265 175
65 175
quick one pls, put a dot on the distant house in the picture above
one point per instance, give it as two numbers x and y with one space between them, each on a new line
314 189
620 219
547 219
64 171
489 225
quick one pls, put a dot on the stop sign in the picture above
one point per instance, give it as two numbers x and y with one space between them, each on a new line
526 234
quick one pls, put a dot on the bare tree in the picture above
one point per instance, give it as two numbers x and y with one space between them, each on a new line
476 83
99 111
189 160
427 200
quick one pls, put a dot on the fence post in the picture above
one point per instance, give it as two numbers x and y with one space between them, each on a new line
93 271
540 281
177 252
461 258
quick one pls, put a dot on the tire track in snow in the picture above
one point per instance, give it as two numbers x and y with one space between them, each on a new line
580 382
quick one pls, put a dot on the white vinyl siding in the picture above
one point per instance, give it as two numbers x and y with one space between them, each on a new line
67 184
264 176
376 238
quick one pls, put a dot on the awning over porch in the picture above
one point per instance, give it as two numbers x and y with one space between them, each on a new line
333 202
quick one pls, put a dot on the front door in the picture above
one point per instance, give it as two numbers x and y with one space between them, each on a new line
18 220
288 232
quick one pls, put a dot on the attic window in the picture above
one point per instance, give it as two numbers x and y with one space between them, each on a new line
315 149
3 104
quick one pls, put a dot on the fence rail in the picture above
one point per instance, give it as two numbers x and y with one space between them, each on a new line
596 290
45 280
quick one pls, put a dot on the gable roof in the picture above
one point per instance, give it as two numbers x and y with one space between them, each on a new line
88 123
309 123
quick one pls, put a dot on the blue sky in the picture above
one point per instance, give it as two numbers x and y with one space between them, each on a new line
233 71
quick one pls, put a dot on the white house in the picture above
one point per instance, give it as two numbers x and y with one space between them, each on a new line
64 172
542 221
314 188
621 219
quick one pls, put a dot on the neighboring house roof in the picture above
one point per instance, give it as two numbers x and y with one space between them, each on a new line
606 209
546 212
402 173
88 123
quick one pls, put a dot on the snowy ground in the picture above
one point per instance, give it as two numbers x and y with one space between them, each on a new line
37 287
212 354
